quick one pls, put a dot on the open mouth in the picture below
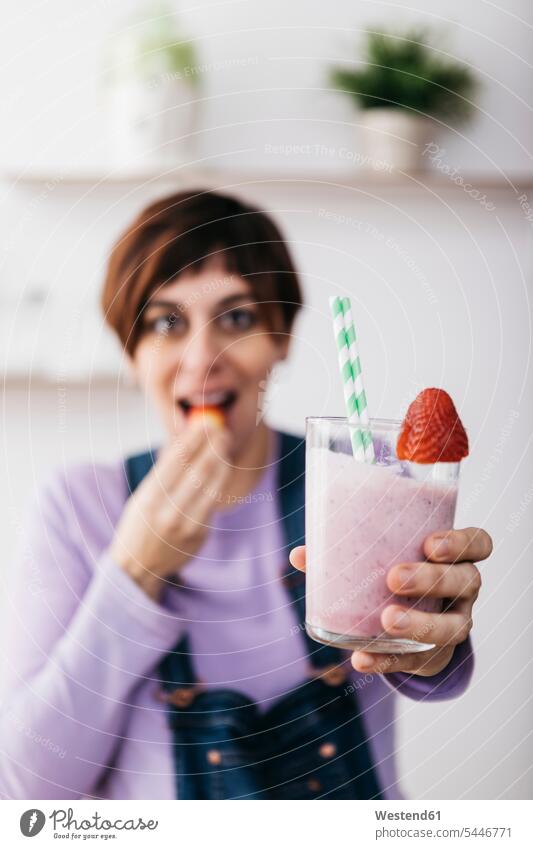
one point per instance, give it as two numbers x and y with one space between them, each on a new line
222 400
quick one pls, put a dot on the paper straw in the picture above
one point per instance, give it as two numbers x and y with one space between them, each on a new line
348 385
359 389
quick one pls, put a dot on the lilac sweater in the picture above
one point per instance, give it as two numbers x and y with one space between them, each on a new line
79 715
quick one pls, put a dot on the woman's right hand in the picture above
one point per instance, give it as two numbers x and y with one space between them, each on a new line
165 521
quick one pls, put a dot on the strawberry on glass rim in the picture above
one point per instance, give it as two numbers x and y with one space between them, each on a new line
432 431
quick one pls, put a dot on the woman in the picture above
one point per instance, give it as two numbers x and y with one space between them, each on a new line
157 643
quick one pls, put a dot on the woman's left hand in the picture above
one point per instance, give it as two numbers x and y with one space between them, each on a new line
450 575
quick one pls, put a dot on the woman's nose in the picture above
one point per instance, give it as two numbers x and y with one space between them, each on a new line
201 352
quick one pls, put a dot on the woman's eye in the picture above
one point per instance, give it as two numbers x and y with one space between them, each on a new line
238 319
166 324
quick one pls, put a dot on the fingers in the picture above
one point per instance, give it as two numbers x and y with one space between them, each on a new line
198 433
209 460
297 557
187 513
418 663
200 487
173 458
208 496
434 580
470 544
177 463
448 628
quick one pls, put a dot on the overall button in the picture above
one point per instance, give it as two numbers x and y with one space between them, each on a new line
314 785
181 697
214 757
327 750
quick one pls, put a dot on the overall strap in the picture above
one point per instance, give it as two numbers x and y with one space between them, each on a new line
138 466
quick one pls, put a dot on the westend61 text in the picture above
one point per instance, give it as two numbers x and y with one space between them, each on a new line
407 815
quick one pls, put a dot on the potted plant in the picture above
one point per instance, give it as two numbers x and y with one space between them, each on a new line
152 76
403 85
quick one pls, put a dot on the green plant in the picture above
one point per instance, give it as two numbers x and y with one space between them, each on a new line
404 71
160 52
152 47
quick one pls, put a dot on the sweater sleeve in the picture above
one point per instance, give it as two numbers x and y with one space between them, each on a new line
451 682
80 638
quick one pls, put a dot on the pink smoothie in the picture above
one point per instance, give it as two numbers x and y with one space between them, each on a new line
361 520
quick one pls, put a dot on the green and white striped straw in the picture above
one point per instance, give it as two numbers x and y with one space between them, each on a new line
343 352
354 395
359 389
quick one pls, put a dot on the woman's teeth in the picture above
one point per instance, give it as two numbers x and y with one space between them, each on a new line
209 399
221 399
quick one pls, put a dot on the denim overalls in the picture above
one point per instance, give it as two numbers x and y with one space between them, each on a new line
310 744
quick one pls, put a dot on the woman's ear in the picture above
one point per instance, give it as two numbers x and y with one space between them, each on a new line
283 345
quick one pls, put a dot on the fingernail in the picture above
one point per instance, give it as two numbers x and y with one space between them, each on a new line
365 662
442 547
401 621
407 577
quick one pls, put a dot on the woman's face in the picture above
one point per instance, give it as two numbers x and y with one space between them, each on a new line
205 343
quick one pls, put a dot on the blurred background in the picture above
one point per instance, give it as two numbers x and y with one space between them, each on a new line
400 169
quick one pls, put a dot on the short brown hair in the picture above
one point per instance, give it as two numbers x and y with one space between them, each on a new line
183 232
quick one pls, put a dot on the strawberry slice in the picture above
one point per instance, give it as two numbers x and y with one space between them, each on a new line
432 431
214 414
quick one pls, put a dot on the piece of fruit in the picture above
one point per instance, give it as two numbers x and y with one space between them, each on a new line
214 414
432 431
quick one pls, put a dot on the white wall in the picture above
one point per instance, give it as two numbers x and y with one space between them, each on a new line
55 56
442 289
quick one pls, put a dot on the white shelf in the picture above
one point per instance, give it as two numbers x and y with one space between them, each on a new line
21 365
65 351
211 177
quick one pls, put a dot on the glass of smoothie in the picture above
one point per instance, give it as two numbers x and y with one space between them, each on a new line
361 519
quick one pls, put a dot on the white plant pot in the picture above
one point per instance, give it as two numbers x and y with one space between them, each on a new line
150 122
394 139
